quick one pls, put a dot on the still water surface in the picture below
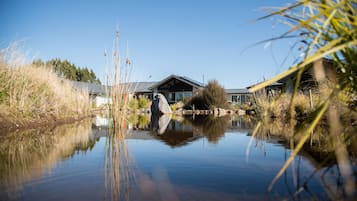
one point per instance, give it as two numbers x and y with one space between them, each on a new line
185 159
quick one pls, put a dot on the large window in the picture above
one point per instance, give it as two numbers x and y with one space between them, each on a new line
243 98
236 99
171 97
187 94
179 96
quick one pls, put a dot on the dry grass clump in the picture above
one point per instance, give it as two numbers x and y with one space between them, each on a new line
30 93
212 96
278 107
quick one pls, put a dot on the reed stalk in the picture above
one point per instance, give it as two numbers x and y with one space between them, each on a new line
117 161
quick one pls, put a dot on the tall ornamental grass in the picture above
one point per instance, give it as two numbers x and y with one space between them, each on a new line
29 93
117 171
327 29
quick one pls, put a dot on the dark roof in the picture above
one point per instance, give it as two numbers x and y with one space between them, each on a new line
139 86
181 78
275 84
91 87
237 91
199 84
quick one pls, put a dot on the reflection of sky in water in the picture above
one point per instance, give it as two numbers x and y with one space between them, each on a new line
73 179
217 167
200 169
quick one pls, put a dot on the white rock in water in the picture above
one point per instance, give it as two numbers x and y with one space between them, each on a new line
164 121
160 105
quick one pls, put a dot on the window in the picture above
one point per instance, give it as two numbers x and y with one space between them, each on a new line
236 99
243 98
171 97
187 94
179 96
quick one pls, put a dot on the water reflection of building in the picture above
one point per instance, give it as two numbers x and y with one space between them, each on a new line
185 130
179 134
176 132
101 121
238 124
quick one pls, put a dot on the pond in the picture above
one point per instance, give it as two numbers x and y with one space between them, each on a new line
194 158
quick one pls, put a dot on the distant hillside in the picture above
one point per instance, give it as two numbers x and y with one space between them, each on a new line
69 71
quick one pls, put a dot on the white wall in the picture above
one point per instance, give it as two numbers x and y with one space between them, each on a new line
99 101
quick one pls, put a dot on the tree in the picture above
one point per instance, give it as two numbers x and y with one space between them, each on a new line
68 70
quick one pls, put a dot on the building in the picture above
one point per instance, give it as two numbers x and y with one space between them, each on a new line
137 89
322 69
272 89
238 96
97 92
176 88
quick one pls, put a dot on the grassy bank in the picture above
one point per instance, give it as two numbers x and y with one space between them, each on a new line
32 94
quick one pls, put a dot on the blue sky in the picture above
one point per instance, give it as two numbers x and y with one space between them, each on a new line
184 37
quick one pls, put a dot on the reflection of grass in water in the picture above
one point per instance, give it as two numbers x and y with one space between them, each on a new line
117 165
317 139
212 127
320 149
117 170
139 121
143 121
28 154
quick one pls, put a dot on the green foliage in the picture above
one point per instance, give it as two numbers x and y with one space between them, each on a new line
143 102
139 121
2 96
68 70
133 104
173 107
213 95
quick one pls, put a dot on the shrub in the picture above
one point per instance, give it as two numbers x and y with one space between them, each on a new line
140 103
212 96
143 102
133 104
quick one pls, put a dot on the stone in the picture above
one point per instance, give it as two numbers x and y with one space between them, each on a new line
159 123
164 121
160 105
